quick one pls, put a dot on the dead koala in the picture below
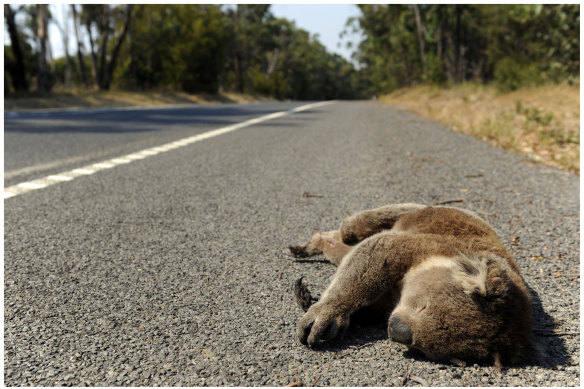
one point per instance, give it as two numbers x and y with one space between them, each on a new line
446 283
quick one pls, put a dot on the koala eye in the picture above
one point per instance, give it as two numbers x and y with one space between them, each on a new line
421 309
480 300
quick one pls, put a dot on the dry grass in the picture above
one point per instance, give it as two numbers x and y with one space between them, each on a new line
116 98
542 123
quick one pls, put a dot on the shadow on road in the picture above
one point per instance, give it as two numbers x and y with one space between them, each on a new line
552 344
137 120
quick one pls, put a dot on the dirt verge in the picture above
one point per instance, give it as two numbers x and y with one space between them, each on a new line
542 123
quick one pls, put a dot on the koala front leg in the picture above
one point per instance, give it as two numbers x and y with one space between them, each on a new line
362 225
327 243
364 276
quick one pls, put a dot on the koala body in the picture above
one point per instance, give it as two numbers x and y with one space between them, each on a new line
447 284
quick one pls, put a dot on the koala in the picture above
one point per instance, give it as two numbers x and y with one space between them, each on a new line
444 281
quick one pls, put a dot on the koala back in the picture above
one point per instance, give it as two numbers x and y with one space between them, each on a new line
469 233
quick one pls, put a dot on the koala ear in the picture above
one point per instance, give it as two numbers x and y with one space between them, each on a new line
497 277
472 276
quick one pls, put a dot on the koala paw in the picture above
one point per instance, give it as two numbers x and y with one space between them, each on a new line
308 249
320 324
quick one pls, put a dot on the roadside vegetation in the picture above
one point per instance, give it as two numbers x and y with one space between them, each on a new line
80 98
541 122
508 74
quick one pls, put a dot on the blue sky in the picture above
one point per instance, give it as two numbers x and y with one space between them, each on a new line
326 20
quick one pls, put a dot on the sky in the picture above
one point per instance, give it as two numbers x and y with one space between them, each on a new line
326 20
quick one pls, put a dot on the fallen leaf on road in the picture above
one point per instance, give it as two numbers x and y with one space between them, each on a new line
426 160
449 201
306 194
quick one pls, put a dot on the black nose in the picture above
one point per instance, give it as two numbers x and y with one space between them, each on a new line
399 331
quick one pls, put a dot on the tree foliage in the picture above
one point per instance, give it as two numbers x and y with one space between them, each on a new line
244 48
513 45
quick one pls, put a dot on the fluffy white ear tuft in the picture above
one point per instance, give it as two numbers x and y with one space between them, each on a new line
472 275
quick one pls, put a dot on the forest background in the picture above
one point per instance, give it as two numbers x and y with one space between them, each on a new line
478 51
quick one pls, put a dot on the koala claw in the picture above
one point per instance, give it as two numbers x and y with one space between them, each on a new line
298 251
303 296
320 324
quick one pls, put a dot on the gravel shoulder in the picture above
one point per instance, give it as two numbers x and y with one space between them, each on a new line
173 270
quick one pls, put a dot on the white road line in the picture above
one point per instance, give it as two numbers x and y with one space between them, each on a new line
84 171
31 185
102 165
135 157
119 161
57 177
24 187
148 152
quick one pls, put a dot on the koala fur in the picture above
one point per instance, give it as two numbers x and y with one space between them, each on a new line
446 283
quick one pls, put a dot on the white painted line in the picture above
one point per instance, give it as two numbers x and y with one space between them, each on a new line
84 171
149 152
134 157
169 146
24 187
31 185
103 165
59 178
183 142
119 161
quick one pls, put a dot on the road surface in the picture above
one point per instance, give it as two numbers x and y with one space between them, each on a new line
172 268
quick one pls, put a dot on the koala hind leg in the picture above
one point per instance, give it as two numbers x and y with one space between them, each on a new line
362 225
327 243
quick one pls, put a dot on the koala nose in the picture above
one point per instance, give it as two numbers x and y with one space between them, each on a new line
399 331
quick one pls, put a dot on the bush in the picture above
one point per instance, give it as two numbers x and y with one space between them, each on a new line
435 70
511 75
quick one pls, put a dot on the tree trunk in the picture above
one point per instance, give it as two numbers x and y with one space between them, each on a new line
112 63
239 72
439 50
93 55
18 74
273 62
64 30
43 71
79 54
103 46
421 39
239 56
457 50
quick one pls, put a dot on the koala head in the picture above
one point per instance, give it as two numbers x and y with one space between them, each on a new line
465 309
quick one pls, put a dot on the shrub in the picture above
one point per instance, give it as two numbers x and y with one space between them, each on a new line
510 75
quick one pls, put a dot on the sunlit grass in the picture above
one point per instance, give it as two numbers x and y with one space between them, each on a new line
542 123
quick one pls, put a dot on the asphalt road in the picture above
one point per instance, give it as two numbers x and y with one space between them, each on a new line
173 270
